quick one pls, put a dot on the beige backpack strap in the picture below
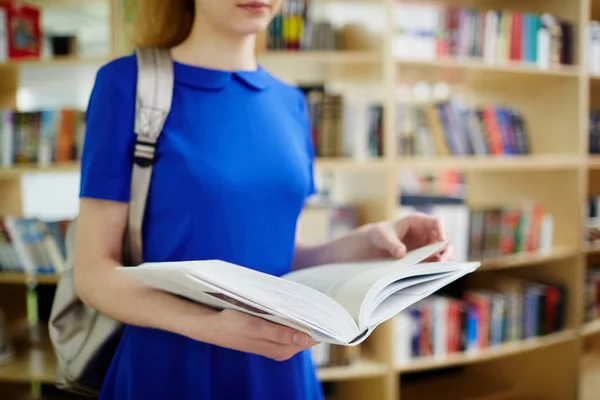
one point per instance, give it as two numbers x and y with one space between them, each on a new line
154 94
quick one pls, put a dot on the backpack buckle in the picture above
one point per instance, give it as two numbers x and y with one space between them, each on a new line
145 151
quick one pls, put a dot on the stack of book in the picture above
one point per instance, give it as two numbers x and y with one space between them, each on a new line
41 137
592 220
508 310
432 30
451 127
344 128
594 132
484 233
593 48
592 294
32 246
295 29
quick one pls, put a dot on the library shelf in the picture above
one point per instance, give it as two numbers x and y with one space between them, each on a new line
325 164
480 65
546 162
350 164
55 61
528 258
322 57
593 161
38 363
591 328
503 262
19 278
591 248
363 368
32 363
500 351
18 170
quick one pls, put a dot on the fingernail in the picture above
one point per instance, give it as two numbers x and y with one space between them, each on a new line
300 339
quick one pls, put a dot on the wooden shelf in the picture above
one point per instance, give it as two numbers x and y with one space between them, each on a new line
592 248
350 165
325 164
35 363
591 328
323 57
18 170
362 369
480 65
22 279
512 163
504 350
505 262
38 363
593 161
55 61
528 258
554 103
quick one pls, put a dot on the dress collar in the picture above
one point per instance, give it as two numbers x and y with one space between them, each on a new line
214 79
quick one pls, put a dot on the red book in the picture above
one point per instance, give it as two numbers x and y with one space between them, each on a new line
493 131
23 28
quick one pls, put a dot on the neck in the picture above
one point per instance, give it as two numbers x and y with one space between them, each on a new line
209 47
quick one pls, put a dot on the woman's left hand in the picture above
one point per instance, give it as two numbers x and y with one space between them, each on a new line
396 238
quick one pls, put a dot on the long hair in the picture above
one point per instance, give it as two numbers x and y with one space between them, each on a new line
160 23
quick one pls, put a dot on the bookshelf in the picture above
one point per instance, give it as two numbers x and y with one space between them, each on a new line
558 172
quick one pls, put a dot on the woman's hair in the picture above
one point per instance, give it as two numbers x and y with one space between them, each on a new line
160 23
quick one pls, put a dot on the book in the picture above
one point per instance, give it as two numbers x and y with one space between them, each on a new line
338 303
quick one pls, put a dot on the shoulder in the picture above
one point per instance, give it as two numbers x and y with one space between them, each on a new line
286 90
120 72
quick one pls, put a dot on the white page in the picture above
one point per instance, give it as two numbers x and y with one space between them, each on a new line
360 295
353 285
329 279
404 298
278 297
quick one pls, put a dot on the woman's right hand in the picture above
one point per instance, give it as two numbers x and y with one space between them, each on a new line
243 332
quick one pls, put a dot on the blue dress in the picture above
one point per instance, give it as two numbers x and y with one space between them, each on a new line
233 169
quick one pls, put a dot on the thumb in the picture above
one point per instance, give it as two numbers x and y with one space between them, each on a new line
392 243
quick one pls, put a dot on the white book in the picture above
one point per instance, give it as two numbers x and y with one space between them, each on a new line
491 37
402 338
6 138
543 50
337 303
3 36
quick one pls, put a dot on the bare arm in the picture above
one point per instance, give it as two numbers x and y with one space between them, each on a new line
98 247
99 236
375 241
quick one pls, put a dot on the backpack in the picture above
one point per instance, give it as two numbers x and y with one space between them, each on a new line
84 340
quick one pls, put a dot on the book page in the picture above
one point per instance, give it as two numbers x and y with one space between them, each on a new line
224 285
402 299
350 283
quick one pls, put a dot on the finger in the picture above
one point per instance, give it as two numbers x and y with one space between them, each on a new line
282 334
391 242
447 253
276 351
434 228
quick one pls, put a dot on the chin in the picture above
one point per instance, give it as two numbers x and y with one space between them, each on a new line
250 27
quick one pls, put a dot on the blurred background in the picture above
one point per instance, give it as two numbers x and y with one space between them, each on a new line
485 113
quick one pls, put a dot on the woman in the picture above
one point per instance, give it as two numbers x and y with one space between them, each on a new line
233 169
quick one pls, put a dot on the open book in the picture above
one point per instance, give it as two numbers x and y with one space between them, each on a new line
338 303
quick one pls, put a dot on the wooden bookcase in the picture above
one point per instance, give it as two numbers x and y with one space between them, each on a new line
559 174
